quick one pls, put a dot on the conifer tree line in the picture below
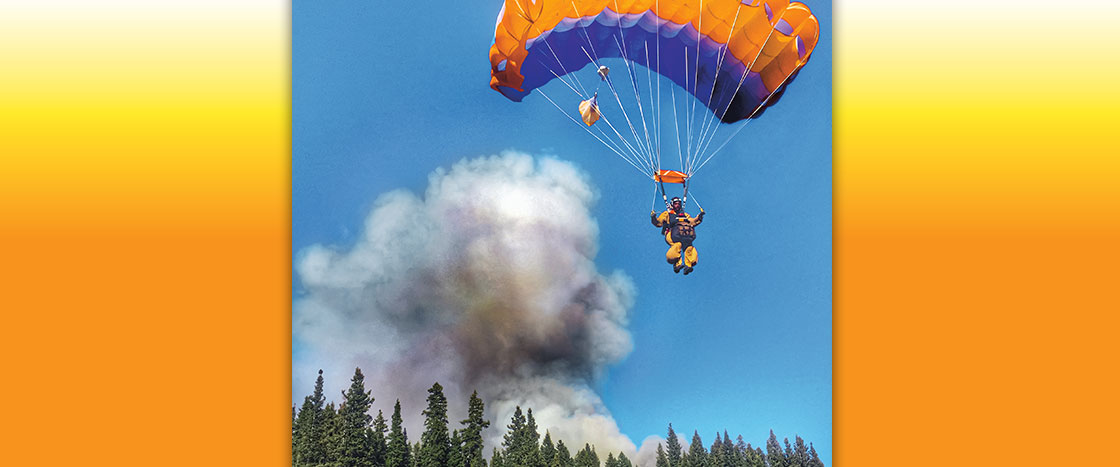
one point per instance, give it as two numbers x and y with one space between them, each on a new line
324 435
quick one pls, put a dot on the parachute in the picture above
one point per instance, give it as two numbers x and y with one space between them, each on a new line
733 57
589 110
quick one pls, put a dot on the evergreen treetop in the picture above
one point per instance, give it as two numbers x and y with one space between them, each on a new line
563 457
435 442
377 440
309 429
673 448
472 432
455 454
397 449
662 460
496 459
697 455
774 455
355 448
548 451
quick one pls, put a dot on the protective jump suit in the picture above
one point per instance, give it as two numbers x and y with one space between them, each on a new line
680 230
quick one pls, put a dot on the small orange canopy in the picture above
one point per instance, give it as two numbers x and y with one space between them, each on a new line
670 176
589 110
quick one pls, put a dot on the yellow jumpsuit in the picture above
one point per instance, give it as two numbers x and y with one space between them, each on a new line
679 233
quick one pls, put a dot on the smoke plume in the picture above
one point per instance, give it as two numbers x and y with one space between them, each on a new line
485 283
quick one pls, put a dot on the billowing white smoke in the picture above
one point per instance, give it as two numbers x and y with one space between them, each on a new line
486 283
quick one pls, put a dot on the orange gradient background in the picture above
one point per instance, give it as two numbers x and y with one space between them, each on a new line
144 232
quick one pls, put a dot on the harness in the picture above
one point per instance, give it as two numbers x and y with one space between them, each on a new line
679 228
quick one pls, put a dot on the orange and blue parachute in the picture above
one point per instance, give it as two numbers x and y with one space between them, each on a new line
733 57
766 42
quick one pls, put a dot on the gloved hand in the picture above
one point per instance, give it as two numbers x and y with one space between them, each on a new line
701 216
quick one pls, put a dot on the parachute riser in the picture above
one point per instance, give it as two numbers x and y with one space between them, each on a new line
664 197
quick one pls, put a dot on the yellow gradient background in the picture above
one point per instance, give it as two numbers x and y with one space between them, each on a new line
144 232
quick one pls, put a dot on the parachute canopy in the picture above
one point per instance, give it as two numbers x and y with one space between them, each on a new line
732 55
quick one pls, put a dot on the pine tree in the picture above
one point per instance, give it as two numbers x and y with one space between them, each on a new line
774 456
309 430
496 459
624 461
742 458
800 453
455 455
697 455
563 458
332 438
787 453
396 452
674 448
751 457
511 441
377 440
435 442
472 432
814 461
355 449
586 457
548 451
715 452
662 460
730 454
415 455
520 442
531 446
611 462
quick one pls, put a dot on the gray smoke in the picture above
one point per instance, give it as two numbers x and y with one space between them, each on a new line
485 283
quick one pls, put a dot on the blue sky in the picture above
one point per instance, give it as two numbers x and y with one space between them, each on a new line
383 94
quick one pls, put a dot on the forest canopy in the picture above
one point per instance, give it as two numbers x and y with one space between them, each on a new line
348 435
